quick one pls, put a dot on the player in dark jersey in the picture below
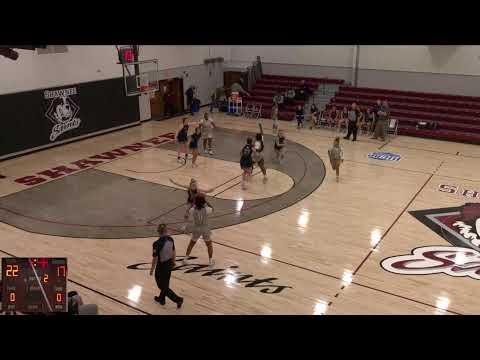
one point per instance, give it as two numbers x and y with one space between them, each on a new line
195 138
182 139
246 162
192 191
279 146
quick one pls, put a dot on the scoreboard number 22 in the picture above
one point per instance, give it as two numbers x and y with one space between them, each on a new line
12 271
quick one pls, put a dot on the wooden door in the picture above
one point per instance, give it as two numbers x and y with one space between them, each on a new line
157 105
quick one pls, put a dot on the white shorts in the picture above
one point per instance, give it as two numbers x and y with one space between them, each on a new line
205 234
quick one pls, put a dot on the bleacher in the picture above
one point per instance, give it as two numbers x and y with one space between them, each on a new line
457 117
269 85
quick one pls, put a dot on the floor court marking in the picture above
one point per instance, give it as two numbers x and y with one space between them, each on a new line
388 167
91 167
436 151
95 291
273 259
330 276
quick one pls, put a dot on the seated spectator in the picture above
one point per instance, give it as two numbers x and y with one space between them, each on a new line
332 116
342 118
77 307
369 119
360 117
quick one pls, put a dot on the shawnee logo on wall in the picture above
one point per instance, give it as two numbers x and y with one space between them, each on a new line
460 226
63 110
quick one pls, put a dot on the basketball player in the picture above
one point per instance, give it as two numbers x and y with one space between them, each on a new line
279 146
299 115
201 228
275 119
192 191
163 261
207 125
195 138
336 156
246 162
182 139
258 153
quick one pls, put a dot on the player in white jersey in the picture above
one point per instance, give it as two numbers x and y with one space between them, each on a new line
207 124
201 228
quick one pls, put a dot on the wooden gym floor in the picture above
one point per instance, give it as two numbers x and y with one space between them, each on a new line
322 254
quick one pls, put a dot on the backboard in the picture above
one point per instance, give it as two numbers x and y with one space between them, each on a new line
140 77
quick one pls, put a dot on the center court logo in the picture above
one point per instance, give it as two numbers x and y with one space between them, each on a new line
384 156
62 110
460 226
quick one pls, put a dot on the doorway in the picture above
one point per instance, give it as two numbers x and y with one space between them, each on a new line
168 101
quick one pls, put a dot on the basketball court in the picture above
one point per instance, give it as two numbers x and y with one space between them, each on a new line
376 242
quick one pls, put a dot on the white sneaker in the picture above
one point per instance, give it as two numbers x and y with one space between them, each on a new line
211 262
211 152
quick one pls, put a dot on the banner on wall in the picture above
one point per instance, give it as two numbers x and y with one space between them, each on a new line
62 110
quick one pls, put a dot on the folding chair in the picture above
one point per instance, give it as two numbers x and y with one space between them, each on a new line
257 111
248 112
392 127
322 121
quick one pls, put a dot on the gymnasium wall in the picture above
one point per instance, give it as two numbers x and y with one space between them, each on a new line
83 63
449 69
187 62
332 61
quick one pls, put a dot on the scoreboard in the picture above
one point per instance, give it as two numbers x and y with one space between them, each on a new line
34 284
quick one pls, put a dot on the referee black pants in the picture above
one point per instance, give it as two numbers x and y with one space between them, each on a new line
163 272
352 129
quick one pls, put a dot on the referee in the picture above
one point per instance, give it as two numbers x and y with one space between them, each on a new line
163 262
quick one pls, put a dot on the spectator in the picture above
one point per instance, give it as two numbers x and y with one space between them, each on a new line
259 68
291 95
217 98
190 93
383 113
77 307
238 87
332 116
370 119
342 118
306 89
313 116
361 118
278 100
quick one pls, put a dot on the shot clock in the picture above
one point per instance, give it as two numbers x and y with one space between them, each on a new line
37 285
